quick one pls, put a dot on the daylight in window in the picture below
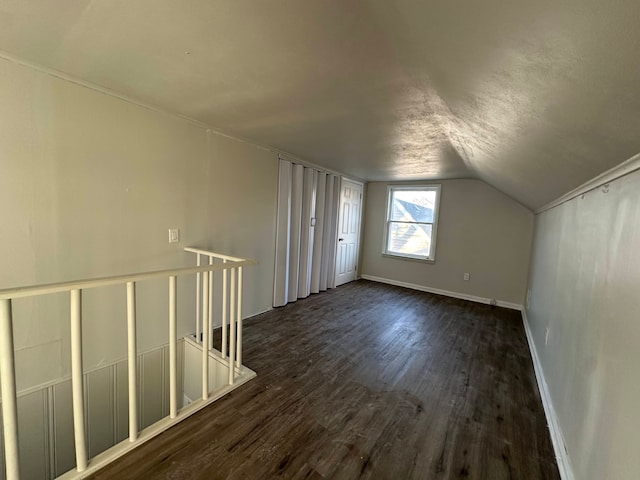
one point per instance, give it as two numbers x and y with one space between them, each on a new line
411 221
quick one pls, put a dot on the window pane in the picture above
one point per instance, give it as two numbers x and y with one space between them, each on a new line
413 205
409 238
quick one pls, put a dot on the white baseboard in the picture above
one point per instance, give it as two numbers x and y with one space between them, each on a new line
257 313
557 438
437 291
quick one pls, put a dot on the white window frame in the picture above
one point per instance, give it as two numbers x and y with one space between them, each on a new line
434 225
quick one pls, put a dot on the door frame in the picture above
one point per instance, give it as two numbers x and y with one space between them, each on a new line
359 239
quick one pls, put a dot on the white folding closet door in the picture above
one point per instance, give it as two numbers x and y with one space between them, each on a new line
295 231
316 264
281 273
307 231
328 233
331 257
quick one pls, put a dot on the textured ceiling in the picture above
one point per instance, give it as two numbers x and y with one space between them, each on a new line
534 97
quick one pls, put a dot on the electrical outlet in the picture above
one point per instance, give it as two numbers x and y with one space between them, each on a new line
174 235
467 277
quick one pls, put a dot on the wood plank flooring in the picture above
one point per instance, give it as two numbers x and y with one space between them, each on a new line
367 381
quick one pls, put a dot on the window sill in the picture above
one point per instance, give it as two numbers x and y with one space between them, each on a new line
409 259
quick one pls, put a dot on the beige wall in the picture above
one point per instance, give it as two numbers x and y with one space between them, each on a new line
242 191
480 231
89 185
585 289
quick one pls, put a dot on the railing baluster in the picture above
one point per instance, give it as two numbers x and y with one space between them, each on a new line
231 347
239 323
77 380
210 304
198 299
8 385
132 361
206 331
173 358
232 328
225 280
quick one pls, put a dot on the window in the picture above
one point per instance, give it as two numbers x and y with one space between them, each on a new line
412 217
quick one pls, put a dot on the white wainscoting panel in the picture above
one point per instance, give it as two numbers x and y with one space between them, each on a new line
45 417
151 389
100 410
121 402
64 453
33 426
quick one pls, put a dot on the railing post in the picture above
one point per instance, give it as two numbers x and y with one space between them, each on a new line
8 385
210 304
239 324
232 328
206 331
132 361
198 275
173 358
77 381
225 280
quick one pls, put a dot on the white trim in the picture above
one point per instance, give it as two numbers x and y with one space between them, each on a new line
434 187
249 317
447 293
353 180
625 168
557 438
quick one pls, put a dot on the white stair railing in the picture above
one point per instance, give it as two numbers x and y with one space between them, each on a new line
231 307
75 289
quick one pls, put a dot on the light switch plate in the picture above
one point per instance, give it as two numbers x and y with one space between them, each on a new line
174 235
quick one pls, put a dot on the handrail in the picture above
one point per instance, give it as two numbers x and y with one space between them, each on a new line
75 288
213 254
45 289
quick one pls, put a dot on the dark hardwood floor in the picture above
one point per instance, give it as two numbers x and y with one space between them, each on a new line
367 381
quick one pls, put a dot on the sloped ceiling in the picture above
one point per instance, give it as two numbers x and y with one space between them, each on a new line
534 97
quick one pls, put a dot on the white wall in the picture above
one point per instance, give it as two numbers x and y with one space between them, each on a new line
480 231
89 185
585 289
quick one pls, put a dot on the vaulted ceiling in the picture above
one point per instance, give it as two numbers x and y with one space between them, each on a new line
534 97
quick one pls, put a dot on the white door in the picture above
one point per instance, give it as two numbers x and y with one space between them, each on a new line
348 232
